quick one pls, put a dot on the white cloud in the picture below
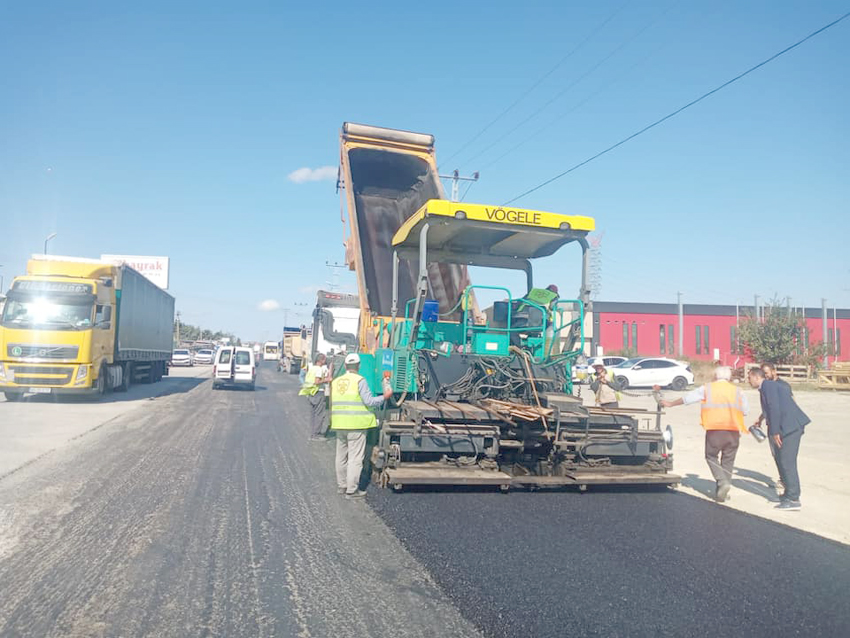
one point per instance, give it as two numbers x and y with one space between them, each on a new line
320 174
268 305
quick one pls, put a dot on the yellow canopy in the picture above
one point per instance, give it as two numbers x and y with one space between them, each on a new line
479 234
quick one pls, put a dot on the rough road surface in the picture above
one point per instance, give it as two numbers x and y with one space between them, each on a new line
208 514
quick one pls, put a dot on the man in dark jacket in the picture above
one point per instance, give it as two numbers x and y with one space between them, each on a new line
786 423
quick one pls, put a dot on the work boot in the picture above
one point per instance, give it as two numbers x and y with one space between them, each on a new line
723 492
788 506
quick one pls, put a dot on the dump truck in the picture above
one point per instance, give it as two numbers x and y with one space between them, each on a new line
336 320
296 348
481 396
82 326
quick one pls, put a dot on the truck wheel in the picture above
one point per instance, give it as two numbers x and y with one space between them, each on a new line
101 381
13 397
679 383
127 378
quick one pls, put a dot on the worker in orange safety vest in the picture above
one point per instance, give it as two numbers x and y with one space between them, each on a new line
722 413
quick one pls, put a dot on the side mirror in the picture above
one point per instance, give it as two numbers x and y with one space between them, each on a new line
637 367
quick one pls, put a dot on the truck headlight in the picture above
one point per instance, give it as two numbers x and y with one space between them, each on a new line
2 372
82 373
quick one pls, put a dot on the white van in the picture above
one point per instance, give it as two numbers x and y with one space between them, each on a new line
234 366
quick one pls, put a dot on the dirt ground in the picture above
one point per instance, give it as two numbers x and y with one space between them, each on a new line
823 462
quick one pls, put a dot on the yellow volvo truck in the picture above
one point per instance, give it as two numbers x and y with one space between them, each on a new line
82 326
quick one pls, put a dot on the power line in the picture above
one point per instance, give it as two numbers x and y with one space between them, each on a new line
466 190
679 110
539 81
574 108
567 88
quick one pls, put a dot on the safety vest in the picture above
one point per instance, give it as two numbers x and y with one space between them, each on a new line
348 411
309 388
601 391
722 407
541 296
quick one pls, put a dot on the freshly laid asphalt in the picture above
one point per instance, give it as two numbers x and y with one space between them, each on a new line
610 563
209 514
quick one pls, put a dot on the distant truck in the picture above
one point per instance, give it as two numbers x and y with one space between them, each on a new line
271 351
83 326
336 320
296 347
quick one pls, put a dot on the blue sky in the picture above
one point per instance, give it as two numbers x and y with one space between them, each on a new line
164 128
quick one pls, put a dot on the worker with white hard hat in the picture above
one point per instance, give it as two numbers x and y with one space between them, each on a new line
351 420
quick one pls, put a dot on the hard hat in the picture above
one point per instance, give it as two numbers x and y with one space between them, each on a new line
596 366
552 288
352 358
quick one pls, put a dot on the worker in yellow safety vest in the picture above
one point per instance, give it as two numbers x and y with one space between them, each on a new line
722 413
315 385
606 387
351 420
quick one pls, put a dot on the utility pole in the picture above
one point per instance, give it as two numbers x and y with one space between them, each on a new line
756 307
681 326
825 334
178 330
333 285
835 352
287 310
737 344
1 281
456 178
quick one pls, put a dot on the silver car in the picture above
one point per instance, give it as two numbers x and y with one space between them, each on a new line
181 358
204 357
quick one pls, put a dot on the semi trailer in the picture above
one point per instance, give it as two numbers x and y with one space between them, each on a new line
82 326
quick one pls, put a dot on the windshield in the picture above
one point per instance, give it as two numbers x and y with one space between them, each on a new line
42 313
628 363
271 349
205 352
181 352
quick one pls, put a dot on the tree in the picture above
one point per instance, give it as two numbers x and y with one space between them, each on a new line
188 332
775 339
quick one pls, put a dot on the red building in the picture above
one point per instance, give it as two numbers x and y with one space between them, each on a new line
709 331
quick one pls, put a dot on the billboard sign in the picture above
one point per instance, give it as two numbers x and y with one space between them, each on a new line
153 268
